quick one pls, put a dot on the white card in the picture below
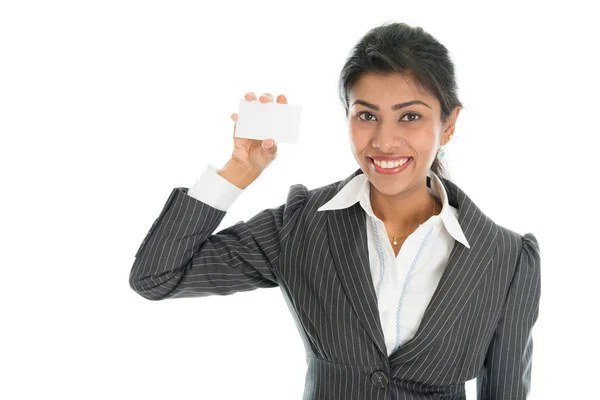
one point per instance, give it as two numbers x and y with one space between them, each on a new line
272 120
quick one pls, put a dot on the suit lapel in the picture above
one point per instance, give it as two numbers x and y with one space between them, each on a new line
348 242
465 268
350 252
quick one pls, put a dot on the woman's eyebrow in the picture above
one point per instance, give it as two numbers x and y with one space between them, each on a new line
394 107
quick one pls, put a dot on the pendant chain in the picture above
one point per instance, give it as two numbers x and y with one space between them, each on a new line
395 238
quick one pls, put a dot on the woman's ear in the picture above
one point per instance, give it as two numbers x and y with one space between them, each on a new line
450 124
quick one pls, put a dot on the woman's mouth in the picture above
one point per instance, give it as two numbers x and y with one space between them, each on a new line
389 167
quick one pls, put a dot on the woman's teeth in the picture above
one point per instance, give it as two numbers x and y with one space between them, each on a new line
390 164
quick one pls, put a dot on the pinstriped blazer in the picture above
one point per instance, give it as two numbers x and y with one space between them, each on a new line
477 324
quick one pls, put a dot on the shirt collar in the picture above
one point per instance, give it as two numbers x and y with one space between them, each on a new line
358 190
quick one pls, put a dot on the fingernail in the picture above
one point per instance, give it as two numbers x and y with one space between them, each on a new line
269 145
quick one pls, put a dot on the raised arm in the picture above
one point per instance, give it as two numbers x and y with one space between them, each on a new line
507 367
181 257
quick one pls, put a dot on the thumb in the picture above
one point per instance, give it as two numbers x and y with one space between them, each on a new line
269 144
270 151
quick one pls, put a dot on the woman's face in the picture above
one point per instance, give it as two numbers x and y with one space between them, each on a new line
391 118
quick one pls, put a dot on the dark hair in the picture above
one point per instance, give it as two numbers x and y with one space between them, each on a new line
398 47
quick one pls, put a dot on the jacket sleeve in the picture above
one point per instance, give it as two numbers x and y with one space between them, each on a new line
506 373
181 257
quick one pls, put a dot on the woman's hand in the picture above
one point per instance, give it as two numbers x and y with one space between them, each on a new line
254 154
250 156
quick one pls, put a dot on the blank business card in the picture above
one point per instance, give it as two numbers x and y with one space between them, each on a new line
280 122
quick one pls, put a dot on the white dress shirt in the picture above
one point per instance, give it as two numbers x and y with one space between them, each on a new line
403 285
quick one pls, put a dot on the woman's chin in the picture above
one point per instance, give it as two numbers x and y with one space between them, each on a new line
388 188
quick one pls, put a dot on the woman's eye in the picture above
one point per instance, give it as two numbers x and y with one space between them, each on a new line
410 115
364 113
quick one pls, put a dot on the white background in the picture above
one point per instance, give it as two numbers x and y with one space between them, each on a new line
106 106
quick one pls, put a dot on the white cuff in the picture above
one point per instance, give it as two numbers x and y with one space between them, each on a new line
214 190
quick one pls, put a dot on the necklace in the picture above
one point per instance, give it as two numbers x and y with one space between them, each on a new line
395 238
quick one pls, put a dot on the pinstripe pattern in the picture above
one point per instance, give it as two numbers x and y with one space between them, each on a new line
477 324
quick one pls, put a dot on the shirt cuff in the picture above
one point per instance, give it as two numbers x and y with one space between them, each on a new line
214 190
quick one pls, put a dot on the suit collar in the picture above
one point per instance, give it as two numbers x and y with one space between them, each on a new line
357 189
465 267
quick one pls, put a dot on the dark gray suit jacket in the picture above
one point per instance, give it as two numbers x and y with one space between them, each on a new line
478 323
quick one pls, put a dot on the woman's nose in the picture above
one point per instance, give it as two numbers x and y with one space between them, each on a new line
387 138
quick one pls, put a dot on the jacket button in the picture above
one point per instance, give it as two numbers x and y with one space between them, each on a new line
379 379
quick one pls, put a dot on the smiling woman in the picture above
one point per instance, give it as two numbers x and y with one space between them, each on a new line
396 143
450 297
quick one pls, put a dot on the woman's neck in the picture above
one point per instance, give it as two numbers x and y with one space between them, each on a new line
404 213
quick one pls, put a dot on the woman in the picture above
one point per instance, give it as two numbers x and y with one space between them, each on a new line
449 296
